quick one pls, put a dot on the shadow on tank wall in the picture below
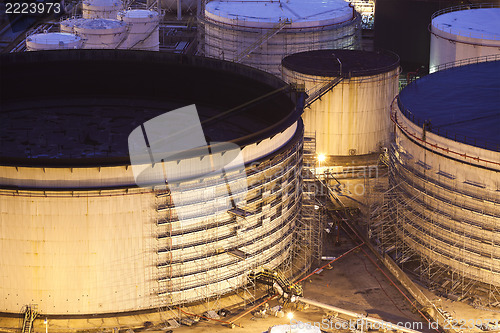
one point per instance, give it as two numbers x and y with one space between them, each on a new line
402 27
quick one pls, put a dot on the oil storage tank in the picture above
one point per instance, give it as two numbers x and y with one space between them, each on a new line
98 33
78 234
463 32
101 8
143 28
261 33
53 41
68 25
350 93
445 168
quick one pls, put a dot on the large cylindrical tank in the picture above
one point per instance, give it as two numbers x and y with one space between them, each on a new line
462 32
98 33
143 28
68 25
261 33
445 168
53 41
351 117
101 8
79 235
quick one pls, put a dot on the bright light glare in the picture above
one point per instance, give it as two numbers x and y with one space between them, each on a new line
321 157
289 315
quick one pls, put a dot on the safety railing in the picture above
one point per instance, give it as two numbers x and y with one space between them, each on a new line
465 32
444 133
463 62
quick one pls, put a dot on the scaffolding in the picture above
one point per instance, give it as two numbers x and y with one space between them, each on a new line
209 254
308 247
263 45
439 229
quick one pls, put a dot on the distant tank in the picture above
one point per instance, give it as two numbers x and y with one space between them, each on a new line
98 33
101 8
464 32
143 29
261 33
53 41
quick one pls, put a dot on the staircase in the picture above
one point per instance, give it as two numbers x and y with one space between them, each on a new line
29 317
269 277
322 90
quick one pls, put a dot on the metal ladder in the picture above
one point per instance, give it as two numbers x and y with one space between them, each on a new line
29 317
322 90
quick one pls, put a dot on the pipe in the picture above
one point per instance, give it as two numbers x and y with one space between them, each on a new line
361 318
220 321
318 269
382 271
251 309
179 10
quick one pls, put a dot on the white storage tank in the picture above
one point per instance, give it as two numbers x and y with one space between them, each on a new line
101 33
464 32
68 25
444 171
354 90
143 29
261 33
77 233
53 41
101 8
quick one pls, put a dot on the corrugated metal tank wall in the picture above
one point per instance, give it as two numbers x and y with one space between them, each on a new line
351 119
449 201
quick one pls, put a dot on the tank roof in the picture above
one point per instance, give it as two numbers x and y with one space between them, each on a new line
482 23
327 62
72 22
53 38
99 23
83 104
299 12
103 3
138 13
462 100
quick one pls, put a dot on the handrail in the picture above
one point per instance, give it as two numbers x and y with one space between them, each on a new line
423 141
463 62
446 28
464 7
450 136
322 90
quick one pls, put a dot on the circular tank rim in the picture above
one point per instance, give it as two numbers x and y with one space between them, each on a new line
102 3
141 14
10 65
458 33
419 100
231 19
353 62
100 24
65 37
